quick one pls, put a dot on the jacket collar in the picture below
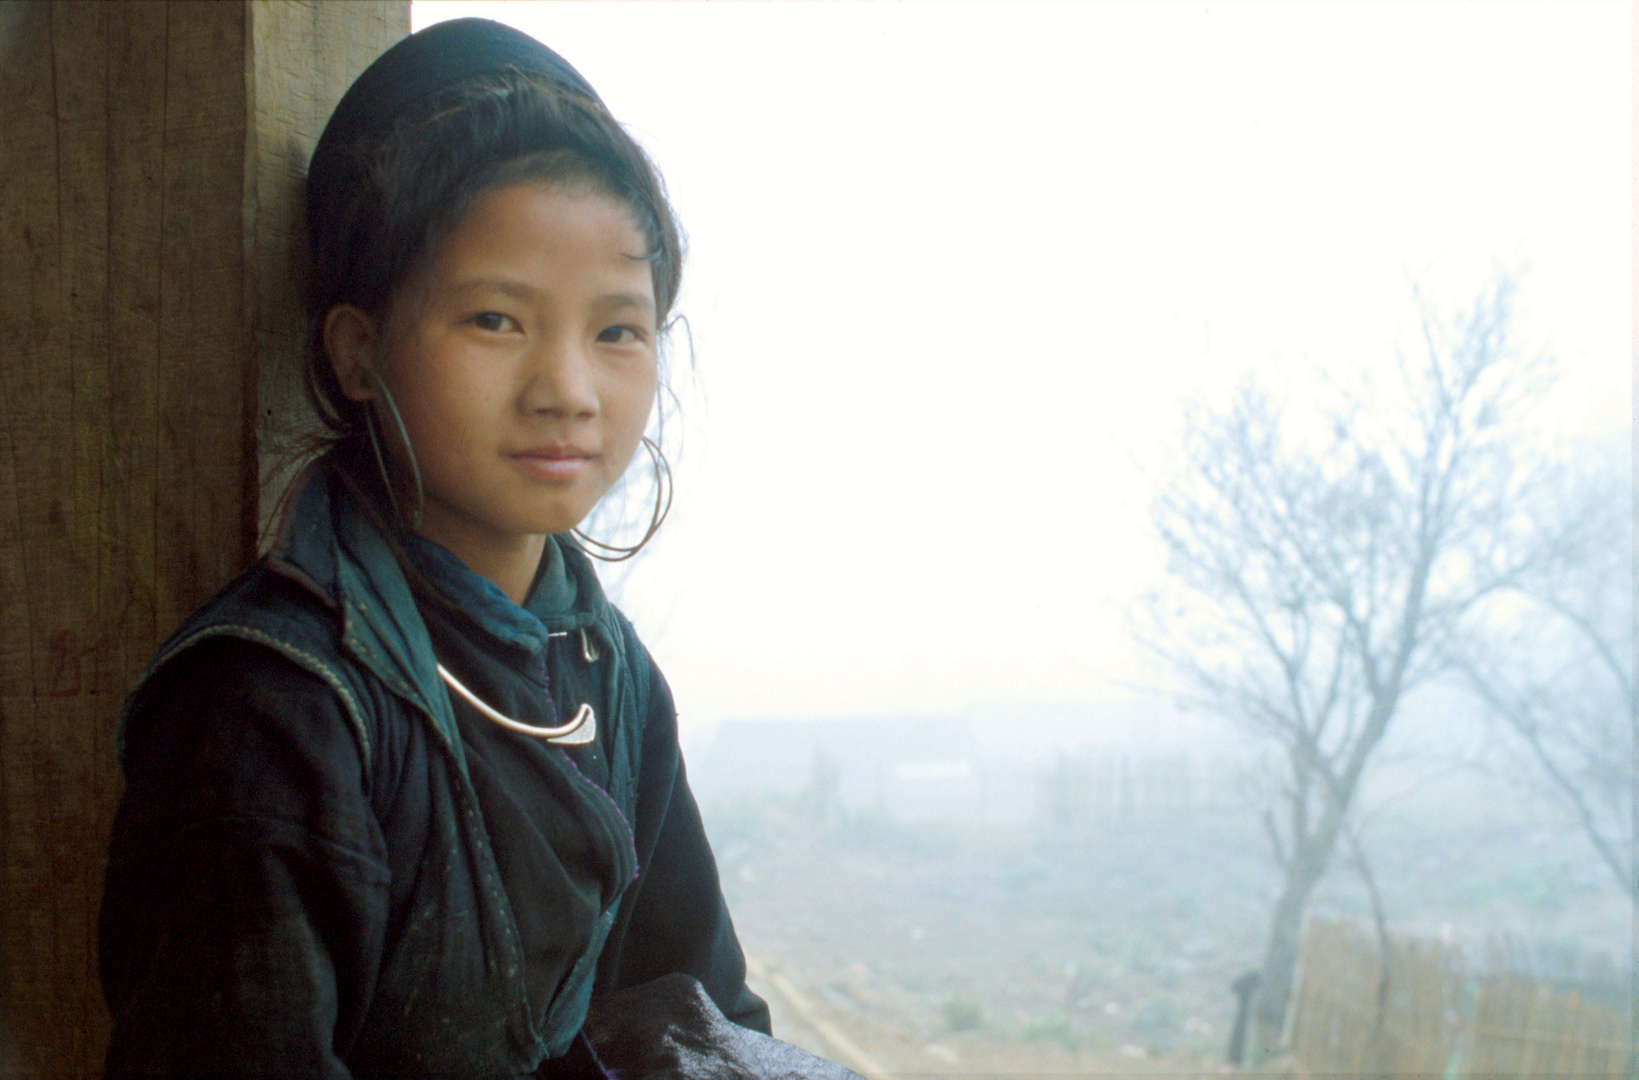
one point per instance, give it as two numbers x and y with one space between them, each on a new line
329 546
557 600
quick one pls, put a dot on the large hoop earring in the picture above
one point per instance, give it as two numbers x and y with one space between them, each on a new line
409 453
662 506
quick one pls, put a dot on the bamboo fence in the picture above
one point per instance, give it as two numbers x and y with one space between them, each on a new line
1527 1027
1413 1009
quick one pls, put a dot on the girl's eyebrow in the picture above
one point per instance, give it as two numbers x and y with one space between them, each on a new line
500 285
522 291
627 299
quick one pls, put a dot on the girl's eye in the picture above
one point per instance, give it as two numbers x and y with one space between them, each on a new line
618 335
492 321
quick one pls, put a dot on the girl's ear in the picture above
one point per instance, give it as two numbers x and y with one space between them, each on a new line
350 342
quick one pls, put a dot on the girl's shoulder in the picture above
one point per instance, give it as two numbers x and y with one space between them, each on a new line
328 598
264 626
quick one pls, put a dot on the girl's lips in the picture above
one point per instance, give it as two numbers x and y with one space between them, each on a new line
553 463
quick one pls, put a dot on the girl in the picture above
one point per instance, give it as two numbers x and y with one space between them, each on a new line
405 798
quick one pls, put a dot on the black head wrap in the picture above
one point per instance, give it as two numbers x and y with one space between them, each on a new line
422 64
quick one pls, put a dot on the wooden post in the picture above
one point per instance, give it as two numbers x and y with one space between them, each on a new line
151 156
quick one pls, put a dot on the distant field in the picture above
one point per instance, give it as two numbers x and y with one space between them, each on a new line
1095 947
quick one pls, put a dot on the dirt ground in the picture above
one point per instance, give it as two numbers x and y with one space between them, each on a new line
917 951
921 950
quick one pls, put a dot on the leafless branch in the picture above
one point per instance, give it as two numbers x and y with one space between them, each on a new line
1335 572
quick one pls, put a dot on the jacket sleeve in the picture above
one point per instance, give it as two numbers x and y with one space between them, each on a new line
673 919
245 902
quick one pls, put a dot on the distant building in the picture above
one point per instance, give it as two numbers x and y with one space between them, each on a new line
915 769
1015 771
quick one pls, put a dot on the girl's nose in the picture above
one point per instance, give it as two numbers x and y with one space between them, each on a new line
558 380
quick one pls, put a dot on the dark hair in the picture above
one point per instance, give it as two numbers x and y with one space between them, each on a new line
407 188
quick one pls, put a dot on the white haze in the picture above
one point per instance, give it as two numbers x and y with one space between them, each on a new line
952 267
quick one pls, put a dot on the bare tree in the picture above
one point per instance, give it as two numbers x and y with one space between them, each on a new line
1556 665
1323 561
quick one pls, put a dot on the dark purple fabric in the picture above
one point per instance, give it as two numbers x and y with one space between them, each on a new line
580 1063
669 1029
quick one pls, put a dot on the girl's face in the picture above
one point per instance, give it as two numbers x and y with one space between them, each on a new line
524 364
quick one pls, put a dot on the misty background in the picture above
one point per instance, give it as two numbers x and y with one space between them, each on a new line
962 279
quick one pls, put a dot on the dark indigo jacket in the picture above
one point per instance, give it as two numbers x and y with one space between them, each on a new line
302 878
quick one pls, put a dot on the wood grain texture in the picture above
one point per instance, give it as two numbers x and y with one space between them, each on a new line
203 380
31 336
151 156
307 54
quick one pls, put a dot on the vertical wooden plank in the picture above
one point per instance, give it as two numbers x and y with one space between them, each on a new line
61 683
40 401
30 334
202 471
123 542
72 782
307 53
136 70
151 157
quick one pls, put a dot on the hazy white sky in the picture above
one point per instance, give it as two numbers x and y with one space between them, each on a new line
954 264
